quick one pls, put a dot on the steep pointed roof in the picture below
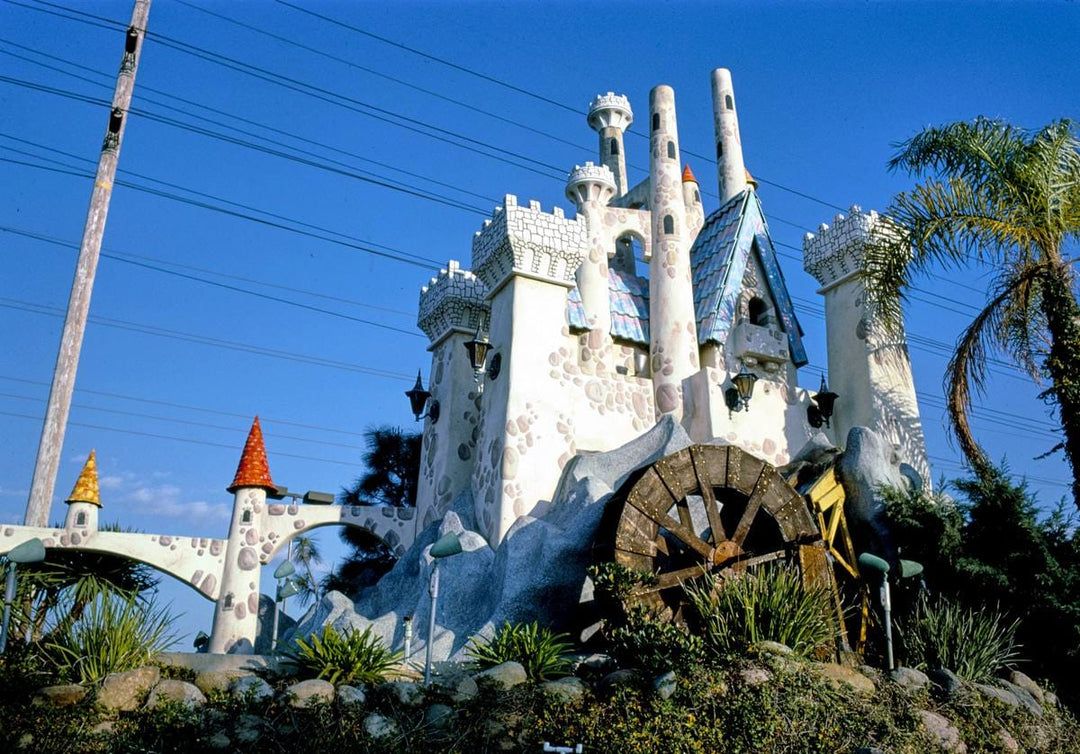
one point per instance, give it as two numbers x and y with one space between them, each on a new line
718 260
629 307
688 175
254 469
86 486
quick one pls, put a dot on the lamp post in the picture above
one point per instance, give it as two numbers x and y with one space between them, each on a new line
31 551
286 587
879 567
447 545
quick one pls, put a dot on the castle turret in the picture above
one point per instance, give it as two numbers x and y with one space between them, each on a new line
453 306
236 615
695 211
84 501
590 188
869 367
729 156
610 115
673 330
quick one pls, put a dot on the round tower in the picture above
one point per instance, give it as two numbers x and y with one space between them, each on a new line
610 115
672 328
236 615
84 501
590 187
729 156
695 212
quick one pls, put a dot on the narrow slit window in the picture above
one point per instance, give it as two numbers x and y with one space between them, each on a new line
669 224
671 150
615 147
656 121
80 519
729 103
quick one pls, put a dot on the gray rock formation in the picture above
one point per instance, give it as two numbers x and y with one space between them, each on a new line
308 693
170 690
125 691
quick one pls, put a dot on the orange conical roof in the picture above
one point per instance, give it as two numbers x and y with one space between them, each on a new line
688 175
750 180
86 486
254 470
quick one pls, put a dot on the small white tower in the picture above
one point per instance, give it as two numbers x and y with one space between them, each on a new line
610 115
84 502
673 329
695 211
590 188
236 615
729 156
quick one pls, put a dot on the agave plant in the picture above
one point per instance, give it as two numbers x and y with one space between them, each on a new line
540 651
974 643
348 657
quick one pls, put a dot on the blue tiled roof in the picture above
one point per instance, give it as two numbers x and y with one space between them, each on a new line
718 260
629 307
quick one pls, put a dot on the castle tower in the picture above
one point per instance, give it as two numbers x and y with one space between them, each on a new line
84 501
453 306
729 156
869 367
695 211
590 188
673 329
236 614
610 115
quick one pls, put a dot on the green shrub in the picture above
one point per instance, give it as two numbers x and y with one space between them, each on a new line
113 634
540 651
353 656
975 643
653 644
769 604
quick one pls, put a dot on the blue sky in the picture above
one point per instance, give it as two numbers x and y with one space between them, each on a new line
173 367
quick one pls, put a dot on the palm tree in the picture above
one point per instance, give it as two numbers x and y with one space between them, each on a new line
303 552
1009 198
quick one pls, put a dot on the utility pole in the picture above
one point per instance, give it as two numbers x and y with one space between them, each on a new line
67 361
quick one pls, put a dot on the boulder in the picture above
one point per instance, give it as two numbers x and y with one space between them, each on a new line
869 463
214 681
182 692
616 679
564 689
350 695
219 742
252 689
1024 697
464 689
941 732
1008 743
379 726
596 662
772 648
1016 678
438 718
335 610
665 685
909 679
404 693
248 729
840 677
309 693
755 676
60 696
126 691
947 683
265 632
508 674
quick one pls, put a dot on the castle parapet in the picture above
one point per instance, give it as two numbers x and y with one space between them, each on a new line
839 251
528 242
455 301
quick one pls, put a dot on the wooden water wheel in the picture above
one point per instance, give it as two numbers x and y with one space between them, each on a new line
707 508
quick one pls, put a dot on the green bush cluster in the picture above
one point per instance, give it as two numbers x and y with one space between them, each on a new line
348 657
975 643
543 653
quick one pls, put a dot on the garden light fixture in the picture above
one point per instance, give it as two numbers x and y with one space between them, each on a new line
447 545
822 411
479 348
419 398
30 551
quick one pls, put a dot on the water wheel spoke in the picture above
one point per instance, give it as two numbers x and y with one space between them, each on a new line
684 534
708 494
673 578
761 489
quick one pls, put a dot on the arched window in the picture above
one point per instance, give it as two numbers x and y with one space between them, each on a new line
228 602
758 311
719 149
656 121
246 518
615 147
80 519
669 224
728 102
697 197
671 150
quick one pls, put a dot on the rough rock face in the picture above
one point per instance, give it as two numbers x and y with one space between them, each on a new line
537 573
125 691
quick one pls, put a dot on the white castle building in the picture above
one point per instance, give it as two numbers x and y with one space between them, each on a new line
587 354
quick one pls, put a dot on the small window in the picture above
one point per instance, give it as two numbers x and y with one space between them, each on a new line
729 103
80 519
719 149
246 518
671 150
669 224
758 311
656 121
228 602
614 147
495 367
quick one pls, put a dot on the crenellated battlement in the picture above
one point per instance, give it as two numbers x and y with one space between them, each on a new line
455 300
590 182
840 250
528 241
611 109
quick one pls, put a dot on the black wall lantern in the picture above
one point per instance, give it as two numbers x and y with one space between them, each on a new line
738 398
418 398
479 348
820 413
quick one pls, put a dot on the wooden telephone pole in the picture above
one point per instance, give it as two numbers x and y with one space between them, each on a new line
67 361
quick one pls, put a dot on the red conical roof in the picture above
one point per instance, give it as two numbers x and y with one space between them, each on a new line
688 175
254 470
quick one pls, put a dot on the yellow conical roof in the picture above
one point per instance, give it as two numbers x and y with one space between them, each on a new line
86 486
